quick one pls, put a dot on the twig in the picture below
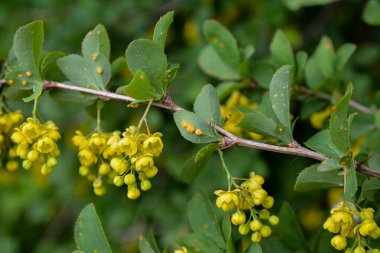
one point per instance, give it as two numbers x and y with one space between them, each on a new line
229 138
324 96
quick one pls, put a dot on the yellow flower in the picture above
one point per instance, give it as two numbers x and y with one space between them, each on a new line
128 146
153 145
144 163
46 145
226 200
86 157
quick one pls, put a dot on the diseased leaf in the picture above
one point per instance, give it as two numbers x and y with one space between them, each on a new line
212 64
140 88
207 105
339 128
85 72
162 27
195 165
321 143
281 50
203 219
208 134
96 42
148 56
311 179
223 43
279 94
89 234
290 230
260 123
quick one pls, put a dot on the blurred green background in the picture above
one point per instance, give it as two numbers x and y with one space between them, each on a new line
38 215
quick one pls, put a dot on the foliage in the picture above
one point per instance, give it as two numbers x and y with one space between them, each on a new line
254 89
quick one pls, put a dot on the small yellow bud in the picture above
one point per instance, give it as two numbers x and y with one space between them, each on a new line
129 179
255 225
104 169
118 181
84 170
256 237
359 249
244 229
145 185
268 202
26 164
11 82
264 214
51 162
12 165
238 218
133 193
33 155
274 220
265 231
118 165
339 242
99 191
97 183
45 170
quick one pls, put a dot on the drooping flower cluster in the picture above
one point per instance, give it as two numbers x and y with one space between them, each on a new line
348 222
8 122
125 158
252 203
36 145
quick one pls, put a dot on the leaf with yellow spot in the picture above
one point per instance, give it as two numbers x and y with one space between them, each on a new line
89 234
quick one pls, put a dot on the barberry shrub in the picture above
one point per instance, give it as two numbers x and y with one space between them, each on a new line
224 115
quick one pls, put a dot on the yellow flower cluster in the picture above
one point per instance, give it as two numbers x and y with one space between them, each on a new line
8 122
347 222
247 198
124 158
231 115
36 145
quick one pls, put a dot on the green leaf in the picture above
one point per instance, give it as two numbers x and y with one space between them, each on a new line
301 60
118 65
297 4
290 230
140 88
281 50
89 234
371 13
369 187
226 227
194 166
149 57
49 60
321 65
212 64
377 119
225 88
279 94
223 43
329 164
27 46
351 182
254 248
262 72
171 73
339 128
162 27
96 42
197 242
84 72
343 54
258 122
144 246
321 143
207 105
191 118
203 219
311 179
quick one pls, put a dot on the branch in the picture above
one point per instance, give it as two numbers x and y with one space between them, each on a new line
324 96
229 138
